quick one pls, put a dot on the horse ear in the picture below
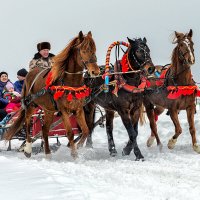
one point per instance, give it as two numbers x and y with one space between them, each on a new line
90 33
144 40
80 36
177 34
129 40
190 33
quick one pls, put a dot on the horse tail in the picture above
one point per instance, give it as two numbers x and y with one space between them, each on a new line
16 126
142 115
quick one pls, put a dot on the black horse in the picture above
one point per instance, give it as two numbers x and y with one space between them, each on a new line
128 101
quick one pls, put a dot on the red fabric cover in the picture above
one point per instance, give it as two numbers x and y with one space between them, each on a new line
48 80
124 63
58 130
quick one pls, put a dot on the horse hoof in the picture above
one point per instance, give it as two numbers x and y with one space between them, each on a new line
89 145
140 159
171 143
196 148
126 152
160 146
113 152
48 156
28 155
74 155
150 141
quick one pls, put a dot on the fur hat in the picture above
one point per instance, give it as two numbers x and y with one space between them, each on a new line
9 85
22 72
43 45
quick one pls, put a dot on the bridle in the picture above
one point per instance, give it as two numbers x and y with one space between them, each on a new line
146 57
181 54
93 59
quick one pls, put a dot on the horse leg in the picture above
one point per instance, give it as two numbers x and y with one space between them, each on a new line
190 117
109 131
80 117
153 126
48 119
178 129
89 111
28 145
132 143
70 135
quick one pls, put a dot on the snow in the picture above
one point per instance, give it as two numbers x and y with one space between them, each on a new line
94 175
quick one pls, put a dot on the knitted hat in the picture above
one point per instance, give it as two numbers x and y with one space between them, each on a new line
1 73
22 72
43 45
9 85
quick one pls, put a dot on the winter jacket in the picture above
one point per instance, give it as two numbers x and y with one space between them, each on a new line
3 101
18 86
14 99
39 61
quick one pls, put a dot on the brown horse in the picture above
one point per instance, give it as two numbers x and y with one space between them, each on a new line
177 91
65 82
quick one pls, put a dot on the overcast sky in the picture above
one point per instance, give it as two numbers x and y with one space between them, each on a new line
24 23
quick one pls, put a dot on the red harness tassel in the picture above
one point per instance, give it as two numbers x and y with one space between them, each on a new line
58 94
69 97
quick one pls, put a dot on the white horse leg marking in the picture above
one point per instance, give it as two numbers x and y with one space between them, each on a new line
28 147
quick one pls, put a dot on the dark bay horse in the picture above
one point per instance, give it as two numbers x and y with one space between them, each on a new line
129 96
65 82
176 92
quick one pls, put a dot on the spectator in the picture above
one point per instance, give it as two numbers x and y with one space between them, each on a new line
43 58
13 98
21 75
3 102
13 105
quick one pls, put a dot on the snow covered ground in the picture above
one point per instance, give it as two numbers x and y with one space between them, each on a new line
170 174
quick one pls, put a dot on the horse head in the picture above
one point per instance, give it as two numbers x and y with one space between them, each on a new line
184 47
87 53
139 56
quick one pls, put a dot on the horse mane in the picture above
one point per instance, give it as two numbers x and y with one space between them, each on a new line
59 60
175 59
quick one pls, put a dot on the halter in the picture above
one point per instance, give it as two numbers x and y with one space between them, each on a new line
93 59
146 58
182 54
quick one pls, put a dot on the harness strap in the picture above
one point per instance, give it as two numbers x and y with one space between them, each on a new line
36 78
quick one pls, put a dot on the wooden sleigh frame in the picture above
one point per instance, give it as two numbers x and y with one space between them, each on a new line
56 131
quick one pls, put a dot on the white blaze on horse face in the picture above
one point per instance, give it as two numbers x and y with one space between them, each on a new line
187 42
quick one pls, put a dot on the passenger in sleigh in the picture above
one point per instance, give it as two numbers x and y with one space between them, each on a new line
13 98
42 58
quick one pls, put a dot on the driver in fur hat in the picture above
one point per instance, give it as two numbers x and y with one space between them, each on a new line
42 58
